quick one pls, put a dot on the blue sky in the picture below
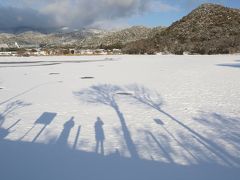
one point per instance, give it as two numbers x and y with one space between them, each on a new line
183 7
75 14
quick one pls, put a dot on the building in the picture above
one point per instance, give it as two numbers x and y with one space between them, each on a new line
3 46
8 53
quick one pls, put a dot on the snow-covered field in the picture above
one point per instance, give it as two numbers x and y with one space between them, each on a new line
159 117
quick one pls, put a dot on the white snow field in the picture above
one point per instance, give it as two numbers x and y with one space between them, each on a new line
120 118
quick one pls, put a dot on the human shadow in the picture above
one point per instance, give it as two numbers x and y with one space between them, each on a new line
99 136
63 138
105 94
155 101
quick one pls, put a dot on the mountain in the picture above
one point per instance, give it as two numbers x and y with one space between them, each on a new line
75 38
83 38
118 38
34 38
209 29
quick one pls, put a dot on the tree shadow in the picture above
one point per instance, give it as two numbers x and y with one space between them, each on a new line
4 132
161 123
233 65
225 127
29 65
154 100
99 136
24 92
105 94
11 107
161 147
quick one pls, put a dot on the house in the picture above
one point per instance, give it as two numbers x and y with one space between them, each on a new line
117 51
5 53
85 52
3 46
100 52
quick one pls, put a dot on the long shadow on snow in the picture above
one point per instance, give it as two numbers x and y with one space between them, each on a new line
226 129
45 119
105 94
27 160
234 65
99 136
31 160
155 101
63 138
24 92
11 107
33 65
4 132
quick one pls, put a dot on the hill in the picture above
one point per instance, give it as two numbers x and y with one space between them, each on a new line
118 38
209 29
83 38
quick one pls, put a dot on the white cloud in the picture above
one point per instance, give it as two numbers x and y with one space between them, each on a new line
81 13
159 6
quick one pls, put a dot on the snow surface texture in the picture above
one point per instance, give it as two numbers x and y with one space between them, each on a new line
120 118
